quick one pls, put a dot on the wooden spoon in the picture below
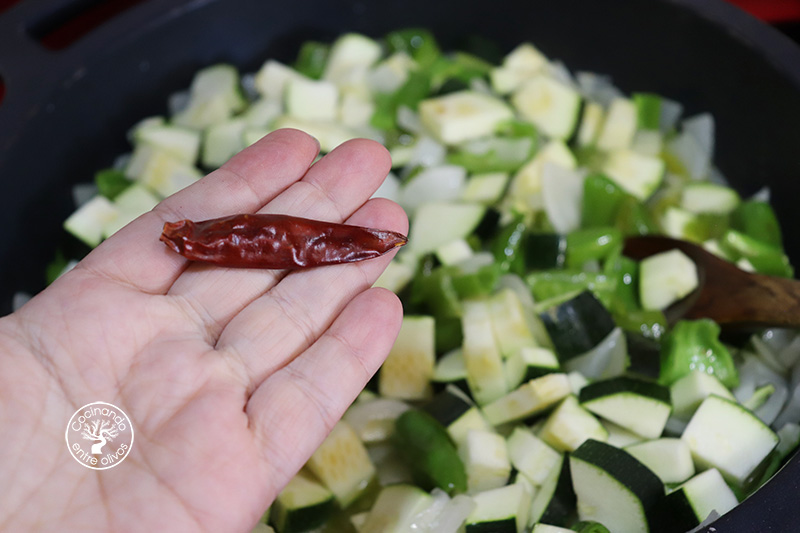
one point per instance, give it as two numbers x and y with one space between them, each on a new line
726 294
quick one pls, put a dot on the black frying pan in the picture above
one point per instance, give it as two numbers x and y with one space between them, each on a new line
65 113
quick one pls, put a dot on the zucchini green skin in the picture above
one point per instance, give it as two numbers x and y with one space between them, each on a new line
675 514
430 452
299 520
623 467
507 525
589 526
561 499
607 387
447 407
577 325
620 464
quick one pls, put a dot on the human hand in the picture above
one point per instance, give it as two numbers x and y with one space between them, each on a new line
231 378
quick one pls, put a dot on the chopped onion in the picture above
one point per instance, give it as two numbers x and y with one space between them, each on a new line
597 88
762 195
83 192
19 299
427 152
444 515
606 360
408 119
178 102
671 112
753 373
443 183
390 188
249 86
562 192
559 71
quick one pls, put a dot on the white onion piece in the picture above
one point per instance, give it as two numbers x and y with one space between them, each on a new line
690 153
408 120
559 71
762 195
373 420
789 355
606 360
701 127
390 188
562 192
791 411
426 519
597 88
19 299
671 112
249 86
427 152
753 373
443 183
178 102
444 515
83 192
768 355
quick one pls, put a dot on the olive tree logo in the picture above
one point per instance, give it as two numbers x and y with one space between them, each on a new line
108 431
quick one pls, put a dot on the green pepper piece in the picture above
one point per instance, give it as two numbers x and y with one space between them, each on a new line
757 220
633 218
651 324
694 346
416 42
430 452
449 334
312 58
648 110
460 67
111 182
602 198
766 259
625 272
480 282
591 244
551 284
590 526
497 154
507 246
410 94
434 290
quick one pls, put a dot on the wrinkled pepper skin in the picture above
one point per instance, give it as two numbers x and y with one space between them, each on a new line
276 241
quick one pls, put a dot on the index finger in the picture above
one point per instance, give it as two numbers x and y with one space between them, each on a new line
135 256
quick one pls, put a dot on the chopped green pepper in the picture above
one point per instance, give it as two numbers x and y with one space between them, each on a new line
694 346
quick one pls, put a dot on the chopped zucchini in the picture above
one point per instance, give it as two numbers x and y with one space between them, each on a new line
613 488
570 425
342 464
302 505
406 374
637 405
724 435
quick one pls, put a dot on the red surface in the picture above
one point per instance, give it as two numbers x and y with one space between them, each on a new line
72 28
771 10
5 4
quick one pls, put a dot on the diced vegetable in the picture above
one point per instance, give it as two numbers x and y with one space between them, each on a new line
613 488
535 362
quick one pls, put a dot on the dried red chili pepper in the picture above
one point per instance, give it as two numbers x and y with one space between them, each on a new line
276 241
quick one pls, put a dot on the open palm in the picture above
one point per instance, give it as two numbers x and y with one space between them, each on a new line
231 378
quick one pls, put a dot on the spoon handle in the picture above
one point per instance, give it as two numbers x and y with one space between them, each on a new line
746 299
